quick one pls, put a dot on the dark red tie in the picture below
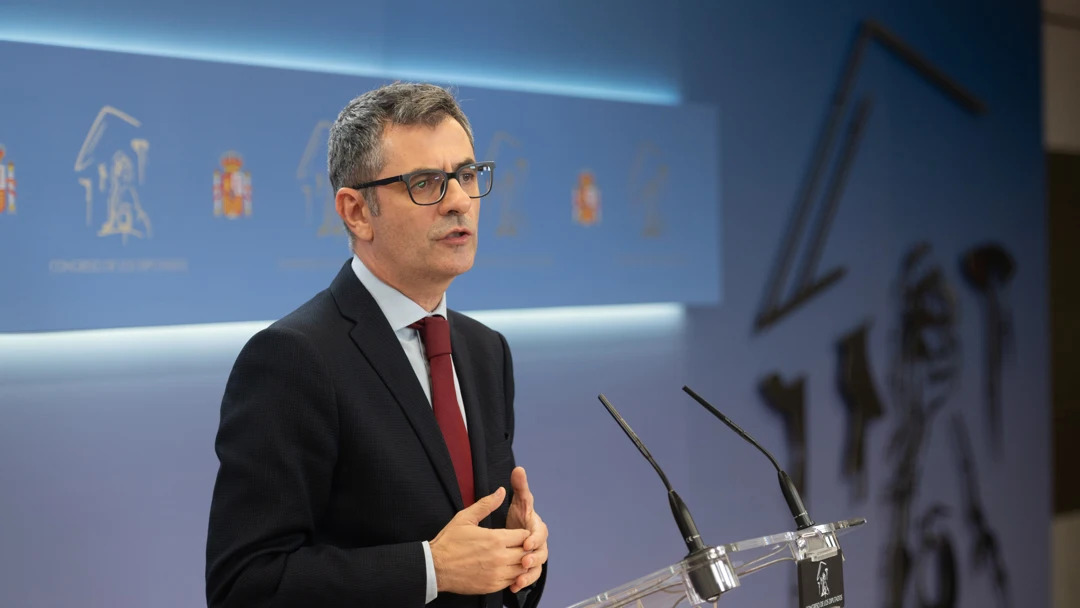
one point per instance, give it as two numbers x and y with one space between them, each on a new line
435 333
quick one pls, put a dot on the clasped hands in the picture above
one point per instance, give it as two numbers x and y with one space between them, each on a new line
471 560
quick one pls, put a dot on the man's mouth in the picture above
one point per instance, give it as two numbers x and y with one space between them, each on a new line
457 234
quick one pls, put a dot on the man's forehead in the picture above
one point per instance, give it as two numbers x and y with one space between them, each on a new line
410 146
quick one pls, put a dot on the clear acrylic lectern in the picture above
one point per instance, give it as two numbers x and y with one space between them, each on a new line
672 586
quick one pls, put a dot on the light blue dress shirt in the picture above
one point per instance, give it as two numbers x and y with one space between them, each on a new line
402 312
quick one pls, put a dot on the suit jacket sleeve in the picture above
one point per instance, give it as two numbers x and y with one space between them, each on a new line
528 597
277 447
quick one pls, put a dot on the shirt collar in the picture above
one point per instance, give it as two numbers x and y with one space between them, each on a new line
398 309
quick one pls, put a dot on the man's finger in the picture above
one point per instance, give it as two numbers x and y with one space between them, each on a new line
514 557
526 579
533 564
514 582
520 482
538 533
512 538
480 509
532 559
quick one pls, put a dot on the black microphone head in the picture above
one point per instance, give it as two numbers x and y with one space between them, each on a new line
794 501
707 580
685 521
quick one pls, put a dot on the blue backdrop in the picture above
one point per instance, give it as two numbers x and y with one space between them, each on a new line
106 437
168 186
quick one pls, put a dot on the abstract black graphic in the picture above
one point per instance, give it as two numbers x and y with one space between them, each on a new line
789 400
988 269
860 396
925 366
986 550
936 581
808 282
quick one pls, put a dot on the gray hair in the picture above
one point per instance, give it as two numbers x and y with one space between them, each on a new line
355 145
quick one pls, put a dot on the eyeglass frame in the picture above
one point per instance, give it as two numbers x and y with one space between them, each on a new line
405 177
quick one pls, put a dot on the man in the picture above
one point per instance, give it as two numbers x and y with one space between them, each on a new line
365 441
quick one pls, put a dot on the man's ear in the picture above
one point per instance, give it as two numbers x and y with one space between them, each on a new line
355 212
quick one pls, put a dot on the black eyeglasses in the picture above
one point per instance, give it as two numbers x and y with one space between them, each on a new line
428 186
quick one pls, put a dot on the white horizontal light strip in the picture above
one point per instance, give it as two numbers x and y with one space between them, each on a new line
284 60
132 352
212 347
557 319
130 340
578 320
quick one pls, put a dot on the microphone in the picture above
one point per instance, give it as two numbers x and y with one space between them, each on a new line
707 582
791 494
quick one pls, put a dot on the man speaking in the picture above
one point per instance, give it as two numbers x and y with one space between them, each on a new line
366 439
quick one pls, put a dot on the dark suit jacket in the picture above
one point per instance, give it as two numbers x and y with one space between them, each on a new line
333 468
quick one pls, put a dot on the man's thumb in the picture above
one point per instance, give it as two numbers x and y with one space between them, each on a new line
484 507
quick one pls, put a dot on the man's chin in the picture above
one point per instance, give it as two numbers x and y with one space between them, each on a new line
458 266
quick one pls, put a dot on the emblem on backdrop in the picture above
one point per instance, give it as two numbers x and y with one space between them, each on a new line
314 178
111 166
586 200
507 152
647 187
232 187
7 183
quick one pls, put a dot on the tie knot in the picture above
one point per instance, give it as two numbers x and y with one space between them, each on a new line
435 334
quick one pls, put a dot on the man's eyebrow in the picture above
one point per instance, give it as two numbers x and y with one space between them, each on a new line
468 161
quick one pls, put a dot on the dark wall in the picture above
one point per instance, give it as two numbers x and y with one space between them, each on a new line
1063 182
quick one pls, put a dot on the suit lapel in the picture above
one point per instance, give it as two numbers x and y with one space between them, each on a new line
463 365
375 338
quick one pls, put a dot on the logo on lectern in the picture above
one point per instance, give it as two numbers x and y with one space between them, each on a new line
823 579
